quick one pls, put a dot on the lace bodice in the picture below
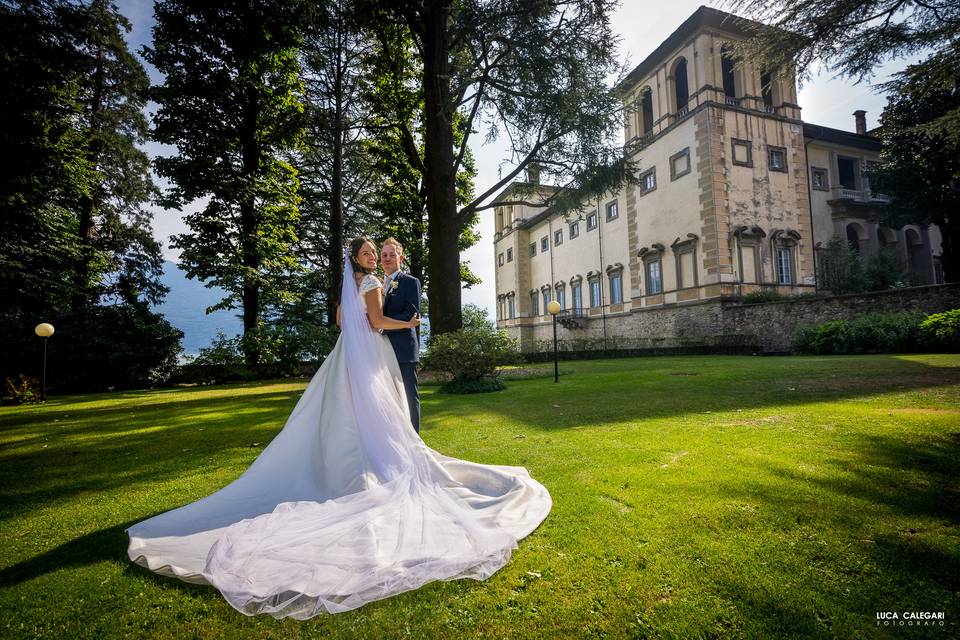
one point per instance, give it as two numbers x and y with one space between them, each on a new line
368 283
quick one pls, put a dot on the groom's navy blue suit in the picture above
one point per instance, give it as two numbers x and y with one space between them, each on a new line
400 302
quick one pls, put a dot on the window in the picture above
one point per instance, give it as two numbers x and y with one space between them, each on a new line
612 211
558 237
499 308
595 292
576 294
847 172
534 304
726 70
680 164
510 254
616 287
742 152
646 111
544 244
648 181
681 88
511 310
546 300
562 297
784 266
533 249
591 221
777 156
654 279
766 89
818 179
500 260
574 230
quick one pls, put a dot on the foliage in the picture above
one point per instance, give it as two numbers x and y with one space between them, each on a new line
470 356
762 295
839 268
284 348
920 162
77 233
21 389
120 346
534 73
941 331
230 102
852 37
871 332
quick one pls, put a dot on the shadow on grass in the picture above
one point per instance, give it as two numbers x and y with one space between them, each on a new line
870 562
109 450
616 391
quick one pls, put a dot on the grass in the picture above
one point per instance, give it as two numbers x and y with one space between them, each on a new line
694 497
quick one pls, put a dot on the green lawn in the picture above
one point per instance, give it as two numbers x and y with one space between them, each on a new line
694 497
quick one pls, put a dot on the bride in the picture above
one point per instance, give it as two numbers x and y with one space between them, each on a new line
347 504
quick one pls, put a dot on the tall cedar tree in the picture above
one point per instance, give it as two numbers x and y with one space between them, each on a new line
230 102
76 231
335 166
535 71
397 145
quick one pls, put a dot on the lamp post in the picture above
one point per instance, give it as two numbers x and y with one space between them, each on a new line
44 330
553 308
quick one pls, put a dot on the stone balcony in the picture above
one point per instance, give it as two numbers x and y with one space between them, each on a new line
857 196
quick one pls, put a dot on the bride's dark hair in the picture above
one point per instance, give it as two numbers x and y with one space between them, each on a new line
355 246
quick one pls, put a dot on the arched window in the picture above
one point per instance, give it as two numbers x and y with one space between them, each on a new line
726 70
855 236
680 86
766 88
646 111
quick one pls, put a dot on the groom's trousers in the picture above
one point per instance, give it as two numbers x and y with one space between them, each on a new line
408 370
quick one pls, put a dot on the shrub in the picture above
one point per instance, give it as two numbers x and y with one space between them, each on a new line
21 389
872 332
761 295
471 357
941 331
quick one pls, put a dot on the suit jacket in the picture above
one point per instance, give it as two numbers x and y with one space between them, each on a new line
400 303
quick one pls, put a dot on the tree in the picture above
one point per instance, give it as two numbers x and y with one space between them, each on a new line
78 248
839 268
852 37
336 168
535 71
920 161
396 138
230 102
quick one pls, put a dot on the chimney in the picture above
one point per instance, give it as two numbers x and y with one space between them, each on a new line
861 117
533 173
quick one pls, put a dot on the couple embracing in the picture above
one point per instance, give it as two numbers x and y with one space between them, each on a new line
401 301
348 504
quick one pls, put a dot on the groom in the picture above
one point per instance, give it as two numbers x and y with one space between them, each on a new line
401 299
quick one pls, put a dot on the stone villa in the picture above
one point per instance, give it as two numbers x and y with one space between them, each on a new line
736 194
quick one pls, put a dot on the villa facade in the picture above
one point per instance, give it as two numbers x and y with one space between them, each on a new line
736 193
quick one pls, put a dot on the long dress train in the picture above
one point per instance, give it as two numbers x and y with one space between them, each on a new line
347 504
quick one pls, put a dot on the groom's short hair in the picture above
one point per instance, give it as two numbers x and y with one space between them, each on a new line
394 242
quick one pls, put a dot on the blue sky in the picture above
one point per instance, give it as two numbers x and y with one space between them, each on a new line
642 26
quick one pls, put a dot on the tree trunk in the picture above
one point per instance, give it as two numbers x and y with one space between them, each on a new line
336 183
443 229
249 224
88 206
950 245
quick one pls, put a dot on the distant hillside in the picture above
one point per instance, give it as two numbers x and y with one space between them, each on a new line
184 308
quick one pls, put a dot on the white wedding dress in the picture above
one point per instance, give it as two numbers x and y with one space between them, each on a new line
347 504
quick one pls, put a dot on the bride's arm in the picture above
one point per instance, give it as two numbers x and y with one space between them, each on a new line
378 320
338 315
